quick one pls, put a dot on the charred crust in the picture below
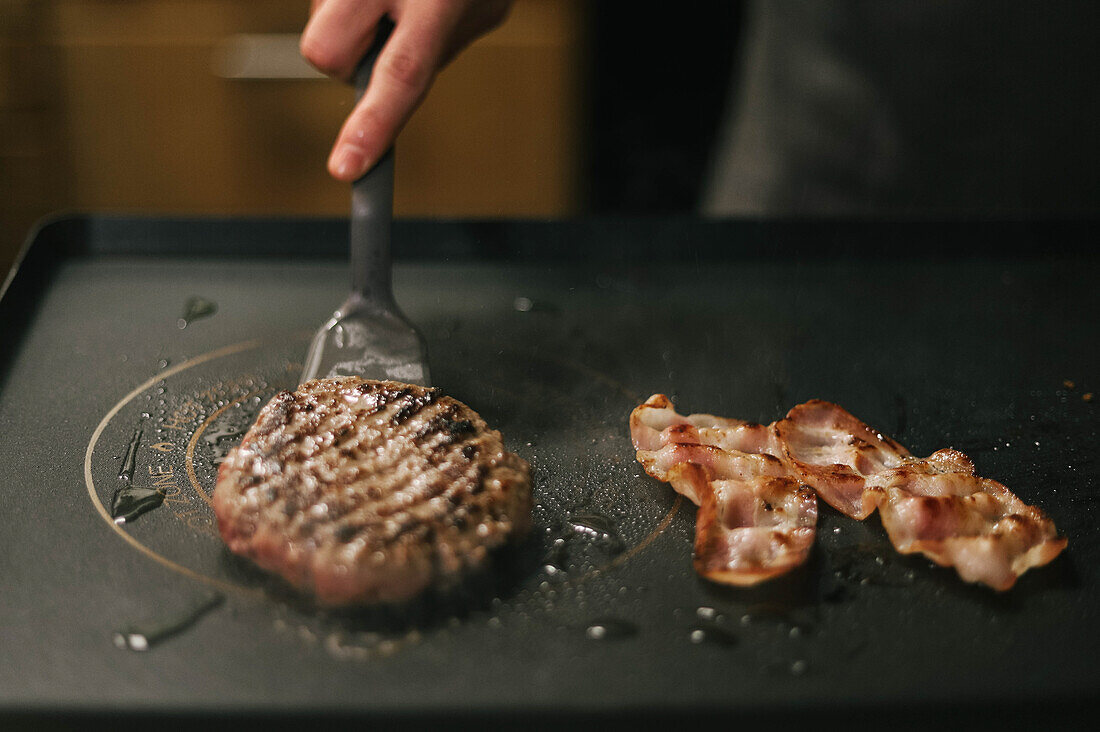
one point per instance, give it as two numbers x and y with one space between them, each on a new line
346 532
276 414
459 427
283 398
414 403
447 423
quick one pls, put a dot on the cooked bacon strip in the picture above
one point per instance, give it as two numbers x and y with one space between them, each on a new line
655 423
834 452
935 506
938 507
754 521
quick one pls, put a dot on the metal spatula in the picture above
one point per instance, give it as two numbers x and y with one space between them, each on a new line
369 336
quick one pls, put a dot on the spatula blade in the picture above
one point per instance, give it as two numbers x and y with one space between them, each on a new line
377 345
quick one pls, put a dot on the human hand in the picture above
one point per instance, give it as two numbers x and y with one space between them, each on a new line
426 36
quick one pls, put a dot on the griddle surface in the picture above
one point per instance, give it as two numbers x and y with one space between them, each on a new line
974 352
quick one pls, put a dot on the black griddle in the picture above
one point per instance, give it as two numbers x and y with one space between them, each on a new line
979 336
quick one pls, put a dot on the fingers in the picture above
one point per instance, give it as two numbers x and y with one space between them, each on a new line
338 34
427 33
404 71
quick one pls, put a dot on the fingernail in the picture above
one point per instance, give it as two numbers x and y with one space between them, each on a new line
348 162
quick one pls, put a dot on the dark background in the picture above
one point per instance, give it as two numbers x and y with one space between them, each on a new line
657 93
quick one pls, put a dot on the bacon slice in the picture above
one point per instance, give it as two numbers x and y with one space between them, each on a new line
939 508
834 452
655 423
754 521
936 506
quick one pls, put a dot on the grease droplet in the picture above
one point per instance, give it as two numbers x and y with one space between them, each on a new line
143 637
712 633
610 629
196 308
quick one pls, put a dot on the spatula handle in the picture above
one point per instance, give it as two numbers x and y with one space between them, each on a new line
372 204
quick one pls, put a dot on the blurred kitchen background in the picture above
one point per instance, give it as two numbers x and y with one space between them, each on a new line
204 107
570 108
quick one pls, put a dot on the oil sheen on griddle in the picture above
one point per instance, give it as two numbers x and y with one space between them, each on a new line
585 541
131 501
226 431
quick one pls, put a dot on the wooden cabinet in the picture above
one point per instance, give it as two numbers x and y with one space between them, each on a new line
139 112
29 125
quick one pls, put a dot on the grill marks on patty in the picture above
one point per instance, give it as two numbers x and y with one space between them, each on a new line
370 490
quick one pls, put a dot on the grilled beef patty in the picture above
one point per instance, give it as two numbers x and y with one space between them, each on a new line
369 491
